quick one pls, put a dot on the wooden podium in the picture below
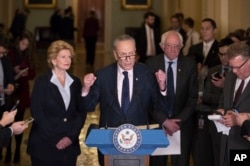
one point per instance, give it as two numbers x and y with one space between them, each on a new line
103 140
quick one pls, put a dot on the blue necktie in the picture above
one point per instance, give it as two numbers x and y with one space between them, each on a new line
125 92
170 90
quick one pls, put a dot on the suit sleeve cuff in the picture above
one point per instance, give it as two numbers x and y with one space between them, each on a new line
11 130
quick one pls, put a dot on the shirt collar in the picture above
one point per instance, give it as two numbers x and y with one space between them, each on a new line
68 80
209 44
120 70
166 59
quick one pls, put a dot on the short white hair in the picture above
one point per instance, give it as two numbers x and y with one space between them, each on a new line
168 33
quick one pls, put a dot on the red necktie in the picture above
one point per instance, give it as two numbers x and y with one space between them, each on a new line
238 93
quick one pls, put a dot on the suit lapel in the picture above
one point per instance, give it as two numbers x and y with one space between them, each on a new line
58 97
211 53
162 63
212 50
244 94
136 87
113 86
231 81
72 96
179 73
56 93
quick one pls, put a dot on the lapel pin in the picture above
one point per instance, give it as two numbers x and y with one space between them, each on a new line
179 70
136 79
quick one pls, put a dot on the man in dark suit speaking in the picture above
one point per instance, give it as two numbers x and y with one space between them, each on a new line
117 105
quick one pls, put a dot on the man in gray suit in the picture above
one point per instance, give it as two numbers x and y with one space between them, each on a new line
180 108
235 98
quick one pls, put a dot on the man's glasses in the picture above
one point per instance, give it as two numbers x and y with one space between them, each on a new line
125 56
222 54
240 65
169 46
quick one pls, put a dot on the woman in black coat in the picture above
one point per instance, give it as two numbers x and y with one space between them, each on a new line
56 106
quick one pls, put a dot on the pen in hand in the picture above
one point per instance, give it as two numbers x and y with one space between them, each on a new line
15 106
235 110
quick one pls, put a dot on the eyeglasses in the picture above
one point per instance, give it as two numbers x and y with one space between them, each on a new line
240 65
125 56
169 46
222 54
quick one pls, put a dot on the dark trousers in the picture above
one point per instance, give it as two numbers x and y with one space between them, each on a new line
90 45
216 143
202 151
2 109
40 162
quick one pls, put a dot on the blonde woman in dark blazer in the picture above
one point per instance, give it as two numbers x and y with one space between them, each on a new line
57 109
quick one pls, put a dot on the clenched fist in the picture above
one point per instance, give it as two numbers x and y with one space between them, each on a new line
161 79
88 81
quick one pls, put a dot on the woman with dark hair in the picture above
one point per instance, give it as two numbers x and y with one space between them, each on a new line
24 71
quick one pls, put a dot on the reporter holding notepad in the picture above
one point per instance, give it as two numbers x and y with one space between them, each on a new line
236 95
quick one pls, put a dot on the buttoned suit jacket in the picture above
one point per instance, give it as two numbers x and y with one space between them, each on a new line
53 121
212 57
185 99
104 91
5 135
234 139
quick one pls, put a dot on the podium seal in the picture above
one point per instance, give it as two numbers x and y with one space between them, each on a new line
127 138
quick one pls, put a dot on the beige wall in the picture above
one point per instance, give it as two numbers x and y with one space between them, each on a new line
117 19
41 17
239 14
38 17
229 15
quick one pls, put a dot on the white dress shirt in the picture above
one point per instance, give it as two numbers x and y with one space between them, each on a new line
120 78
64 90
